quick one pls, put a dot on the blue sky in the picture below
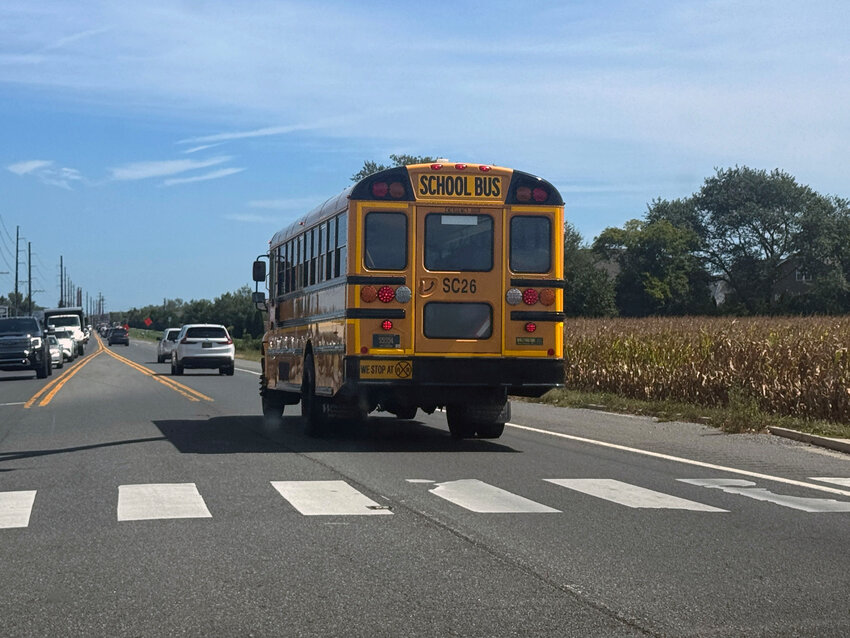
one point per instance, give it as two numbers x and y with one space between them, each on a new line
158 145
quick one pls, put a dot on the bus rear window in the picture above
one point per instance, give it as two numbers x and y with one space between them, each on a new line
458 320
385 241
459 242
531 244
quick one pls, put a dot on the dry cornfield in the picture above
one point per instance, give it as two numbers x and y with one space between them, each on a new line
794 366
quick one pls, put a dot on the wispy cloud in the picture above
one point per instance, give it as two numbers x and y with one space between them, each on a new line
203 147
248 218
82 35
46 172
224 172
242 135
146 170
25 168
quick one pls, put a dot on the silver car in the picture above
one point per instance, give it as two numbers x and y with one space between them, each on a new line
57 357
166 344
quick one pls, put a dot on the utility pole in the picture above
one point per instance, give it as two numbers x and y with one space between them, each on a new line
61 283
29 275
17 264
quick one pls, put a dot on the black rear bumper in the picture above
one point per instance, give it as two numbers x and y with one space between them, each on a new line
456 379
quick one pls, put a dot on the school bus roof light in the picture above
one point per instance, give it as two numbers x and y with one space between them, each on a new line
540 195
436 167
380 189
523 194
460 167
483 168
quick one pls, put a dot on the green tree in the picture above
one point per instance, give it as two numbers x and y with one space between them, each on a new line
660 273
823 247
750 220
370 167
589 291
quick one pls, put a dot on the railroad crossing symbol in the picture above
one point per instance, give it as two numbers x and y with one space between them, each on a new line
403 369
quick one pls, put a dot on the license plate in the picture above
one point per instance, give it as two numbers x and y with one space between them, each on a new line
206 344
386 369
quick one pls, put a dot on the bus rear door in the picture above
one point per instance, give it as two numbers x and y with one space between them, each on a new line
459 280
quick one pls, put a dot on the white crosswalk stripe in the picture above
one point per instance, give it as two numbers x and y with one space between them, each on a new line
160 500
631 495
15 508
328 498
478 496
833 479
741 487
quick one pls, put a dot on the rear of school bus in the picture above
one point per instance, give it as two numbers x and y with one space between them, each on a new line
455 294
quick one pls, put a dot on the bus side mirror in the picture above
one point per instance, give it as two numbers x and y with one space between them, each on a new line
259 271
259 299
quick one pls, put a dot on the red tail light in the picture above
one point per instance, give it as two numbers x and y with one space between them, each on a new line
530 296
387 324
229 341
530 327
184 340
386 294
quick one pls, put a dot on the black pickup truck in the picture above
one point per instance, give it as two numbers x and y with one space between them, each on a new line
24 346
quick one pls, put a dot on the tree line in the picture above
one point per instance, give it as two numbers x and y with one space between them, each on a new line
749 242
232 309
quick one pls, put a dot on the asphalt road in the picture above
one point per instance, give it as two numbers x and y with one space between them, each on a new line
137 504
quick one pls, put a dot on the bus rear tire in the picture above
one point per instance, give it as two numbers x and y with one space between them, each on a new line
312 407
486 421
460 427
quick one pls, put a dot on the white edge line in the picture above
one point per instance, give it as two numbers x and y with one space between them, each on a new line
677 459
249 371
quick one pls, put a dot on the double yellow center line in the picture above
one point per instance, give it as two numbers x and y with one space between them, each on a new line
49 391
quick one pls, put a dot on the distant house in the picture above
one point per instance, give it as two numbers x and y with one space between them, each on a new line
793 278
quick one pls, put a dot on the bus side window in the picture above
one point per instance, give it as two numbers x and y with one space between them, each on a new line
341 232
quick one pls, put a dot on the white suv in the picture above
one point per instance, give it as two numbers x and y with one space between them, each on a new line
203 345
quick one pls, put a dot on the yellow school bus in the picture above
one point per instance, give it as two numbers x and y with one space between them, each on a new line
420 287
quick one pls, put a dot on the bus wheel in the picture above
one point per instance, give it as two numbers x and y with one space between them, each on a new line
460 426
311 405
272 412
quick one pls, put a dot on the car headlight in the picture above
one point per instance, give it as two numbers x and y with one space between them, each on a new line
35 342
